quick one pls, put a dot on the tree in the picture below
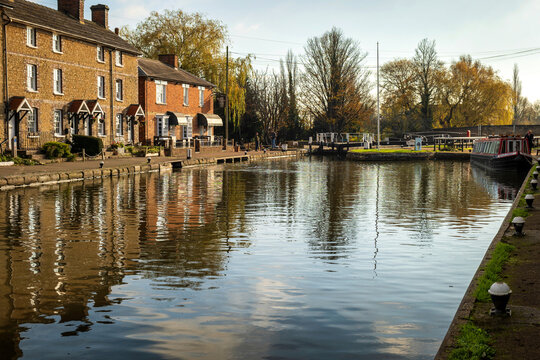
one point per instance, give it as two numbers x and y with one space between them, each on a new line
336 82
293 128
427 71
519 103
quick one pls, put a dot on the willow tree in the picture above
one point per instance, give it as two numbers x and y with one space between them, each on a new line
336 86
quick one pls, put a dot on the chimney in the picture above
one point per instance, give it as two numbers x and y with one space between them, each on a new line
116 31
100 15
74 8
169 59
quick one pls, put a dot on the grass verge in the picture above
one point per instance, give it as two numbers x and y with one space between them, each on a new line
472 343
492 270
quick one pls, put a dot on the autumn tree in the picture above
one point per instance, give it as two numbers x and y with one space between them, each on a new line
336 82
427 67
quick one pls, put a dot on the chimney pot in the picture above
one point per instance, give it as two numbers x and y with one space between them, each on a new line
100 15
116 31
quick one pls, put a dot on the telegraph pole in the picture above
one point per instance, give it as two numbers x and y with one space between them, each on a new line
378 112
227 98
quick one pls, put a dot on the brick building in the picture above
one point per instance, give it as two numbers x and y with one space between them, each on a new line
63 74
178 105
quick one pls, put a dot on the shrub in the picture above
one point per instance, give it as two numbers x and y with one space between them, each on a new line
54 149
91 145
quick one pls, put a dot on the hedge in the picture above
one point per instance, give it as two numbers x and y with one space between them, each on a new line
91 145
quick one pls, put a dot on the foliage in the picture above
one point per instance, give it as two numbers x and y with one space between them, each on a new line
116 145
336 86
492 270
520 212
55 150
472 343
18 160
92 145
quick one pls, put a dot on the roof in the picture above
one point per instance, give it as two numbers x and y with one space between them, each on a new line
157 69
40 16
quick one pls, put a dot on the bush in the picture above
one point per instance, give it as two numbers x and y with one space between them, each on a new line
55 150
91 145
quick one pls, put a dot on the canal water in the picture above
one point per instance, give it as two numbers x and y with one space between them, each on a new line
292 259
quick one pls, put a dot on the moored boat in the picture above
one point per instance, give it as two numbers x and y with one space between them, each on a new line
500 152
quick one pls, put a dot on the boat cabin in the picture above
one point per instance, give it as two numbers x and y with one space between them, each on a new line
501 145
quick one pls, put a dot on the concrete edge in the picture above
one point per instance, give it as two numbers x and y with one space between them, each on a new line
467 303
37 179
397 156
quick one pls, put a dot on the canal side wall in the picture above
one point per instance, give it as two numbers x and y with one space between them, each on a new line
41 178
466 306
397 156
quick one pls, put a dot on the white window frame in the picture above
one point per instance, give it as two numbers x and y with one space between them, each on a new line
58 120
185 95
31 77
162 123
161 92
201 96
100 54
101 87
31 37
32 120
58 82
119 58
57 43
187 130
119 87
119 125
100 118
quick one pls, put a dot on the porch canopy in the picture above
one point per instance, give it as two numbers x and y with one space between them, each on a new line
19 103
94 107
78 107
176 118
209 120
134 110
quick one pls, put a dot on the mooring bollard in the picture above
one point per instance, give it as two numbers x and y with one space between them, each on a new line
83 155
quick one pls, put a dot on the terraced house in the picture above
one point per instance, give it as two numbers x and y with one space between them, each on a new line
178 105
63 74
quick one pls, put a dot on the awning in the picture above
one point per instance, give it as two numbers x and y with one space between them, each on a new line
134 110
94 107
19 103
78 106
176 118
209 120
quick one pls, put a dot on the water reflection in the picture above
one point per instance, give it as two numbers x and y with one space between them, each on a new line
278 259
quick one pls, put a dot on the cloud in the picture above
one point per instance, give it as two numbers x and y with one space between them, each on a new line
242 28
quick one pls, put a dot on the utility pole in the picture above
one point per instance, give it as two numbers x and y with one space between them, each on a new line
378 112
227 98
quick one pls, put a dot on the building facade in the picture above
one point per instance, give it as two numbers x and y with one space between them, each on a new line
178 105
64 75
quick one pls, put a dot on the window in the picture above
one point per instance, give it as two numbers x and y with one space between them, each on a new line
101 125
161 92
31 39
101 87
32 120
100 54
187 130
119 125
119 59
31 77
201 96
57 81
186 94
57 43
58 122
162 125
119 95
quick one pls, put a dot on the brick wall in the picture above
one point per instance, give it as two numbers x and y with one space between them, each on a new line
175 103
80 68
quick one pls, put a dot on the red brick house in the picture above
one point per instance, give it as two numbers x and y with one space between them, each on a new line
63 74
178 105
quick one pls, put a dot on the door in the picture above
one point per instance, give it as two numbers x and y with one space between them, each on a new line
12 128
87 129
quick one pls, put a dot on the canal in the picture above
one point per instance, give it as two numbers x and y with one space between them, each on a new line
285 259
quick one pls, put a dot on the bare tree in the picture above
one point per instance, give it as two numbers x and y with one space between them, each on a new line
427 70
336 82
290 70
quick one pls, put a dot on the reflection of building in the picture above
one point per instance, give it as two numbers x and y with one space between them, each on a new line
179 105
66 75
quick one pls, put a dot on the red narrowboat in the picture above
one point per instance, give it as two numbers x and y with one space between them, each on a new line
498 152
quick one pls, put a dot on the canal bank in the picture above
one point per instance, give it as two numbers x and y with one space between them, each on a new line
374 155
18 176
510 337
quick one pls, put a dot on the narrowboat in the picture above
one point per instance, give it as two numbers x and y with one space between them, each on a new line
500 152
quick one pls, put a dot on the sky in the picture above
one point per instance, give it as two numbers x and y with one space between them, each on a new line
493 31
